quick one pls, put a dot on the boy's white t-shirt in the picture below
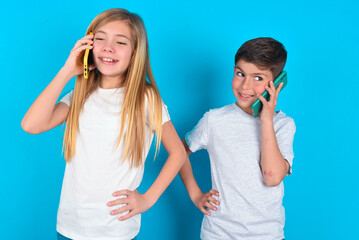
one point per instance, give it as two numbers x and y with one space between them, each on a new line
248 208
96 171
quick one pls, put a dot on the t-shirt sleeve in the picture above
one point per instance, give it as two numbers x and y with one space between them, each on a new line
67 98
165 114
285 136
198 138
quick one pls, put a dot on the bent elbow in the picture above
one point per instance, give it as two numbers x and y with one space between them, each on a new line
272 180
183 154
272 183
28 128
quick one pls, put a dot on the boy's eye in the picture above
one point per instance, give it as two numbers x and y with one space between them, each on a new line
258 78
240 74
99 39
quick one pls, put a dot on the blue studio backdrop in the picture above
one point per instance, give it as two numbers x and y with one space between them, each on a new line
192 48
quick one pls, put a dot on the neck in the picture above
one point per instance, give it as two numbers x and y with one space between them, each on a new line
108 82
248 111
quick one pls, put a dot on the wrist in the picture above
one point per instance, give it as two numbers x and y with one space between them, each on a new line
66 74
150 199
268 121
195 194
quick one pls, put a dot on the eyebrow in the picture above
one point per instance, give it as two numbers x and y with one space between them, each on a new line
119 35
252 73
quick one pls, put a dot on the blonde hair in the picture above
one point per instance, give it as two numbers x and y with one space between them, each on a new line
137 89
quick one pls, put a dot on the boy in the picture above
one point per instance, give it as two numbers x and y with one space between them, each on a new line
249 156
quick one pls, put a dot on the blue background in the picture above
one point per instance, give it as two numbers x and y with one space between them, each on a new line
192 48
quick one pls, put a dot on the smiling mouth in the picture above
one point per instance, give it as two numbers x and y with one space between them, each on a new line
244 96
108 60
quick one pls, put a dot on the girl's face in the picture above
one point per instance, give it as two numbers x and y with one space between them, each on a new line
112 49
248 81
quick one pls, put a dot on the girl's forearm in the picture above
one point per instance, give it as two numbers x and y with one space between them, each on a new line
168 173
40 112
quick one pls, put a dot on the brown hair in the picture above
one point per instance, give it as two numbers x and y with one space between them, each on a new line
265 53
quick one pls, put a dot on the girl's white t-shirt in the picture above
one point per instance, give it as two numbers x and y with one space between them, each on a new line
96 171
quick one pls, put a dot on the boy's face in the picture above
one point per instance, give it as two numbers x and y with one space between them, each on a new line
248 81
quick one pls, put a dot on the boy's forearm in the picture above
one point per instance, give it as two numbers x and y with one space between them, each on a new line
274 166
188 180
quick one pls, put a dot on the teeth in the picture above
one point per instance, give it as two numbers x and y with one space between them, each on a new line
108 60
246 96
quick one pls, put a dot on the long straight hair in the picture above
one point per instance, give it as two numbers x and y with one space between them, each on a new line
139 86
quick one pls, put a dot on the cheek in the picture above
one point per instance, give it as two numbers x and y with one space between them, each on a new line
126 54
235 83
259 89
95 50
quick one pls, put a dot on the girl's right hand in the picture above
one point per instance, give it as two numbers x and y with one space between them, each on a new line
205 201
74 65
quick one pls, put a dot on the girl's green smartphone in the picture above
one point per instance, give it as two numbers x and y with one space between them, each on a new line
257 105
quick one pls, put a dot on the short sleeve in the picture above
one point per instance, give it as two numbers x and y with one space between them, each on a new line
67 98
165 114
198 138
285 135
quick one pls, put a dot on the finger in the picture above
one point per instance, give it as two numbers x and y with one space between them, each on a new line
81 48
92 67
120 210
122 192
117 202
83 42
88 36
213 200
204 211
210 206
262 99
270 91
214 192
279 88
127 216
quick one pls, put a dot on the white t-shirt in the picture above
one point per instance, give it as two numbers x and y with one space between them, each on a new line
96 171
248 208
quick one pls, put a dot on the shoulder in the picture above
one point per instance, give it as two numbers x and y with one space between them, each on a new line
67 97
282 120
151 96
217 112
213 116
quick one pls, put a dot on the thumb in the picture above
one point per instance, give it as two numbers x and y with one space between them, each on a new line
92 67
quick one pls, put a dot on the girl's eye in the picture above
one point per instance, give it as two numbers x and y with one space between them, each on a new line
99 39
240 74
258 78
121 43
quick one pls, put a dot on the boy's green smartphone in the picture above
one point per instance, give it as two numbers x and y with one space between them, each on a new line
87 61
257 105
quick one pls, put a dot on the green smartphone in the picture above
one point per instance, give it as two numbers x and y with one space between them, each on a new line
257 105
87 61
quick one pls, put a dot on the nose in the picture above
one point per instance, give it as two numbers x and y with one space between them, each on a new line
108 47
247 83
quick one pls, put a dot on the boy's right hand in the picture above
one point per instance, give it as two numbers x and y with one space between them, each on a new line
74 65
203 201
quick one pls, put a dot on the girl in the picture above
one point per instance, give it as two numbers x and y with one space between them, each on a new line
110 119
